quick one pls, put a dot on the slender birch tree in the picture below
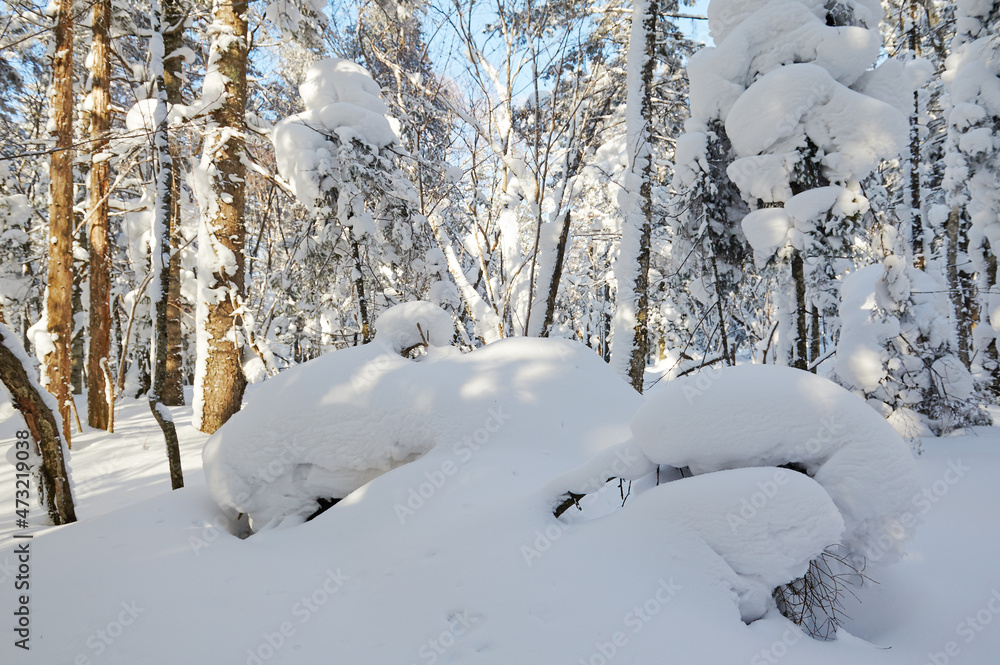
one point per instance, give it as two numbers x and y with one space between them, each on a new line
159 252
630 341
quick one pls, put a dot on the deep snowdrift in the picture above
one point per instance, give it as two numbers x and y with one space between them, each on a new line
456 557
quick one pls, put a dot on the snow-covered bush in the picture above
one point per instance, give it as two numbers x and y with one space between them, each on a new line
15 214
323 429
779 416
782 417
340 157
894 349
524 420
771 547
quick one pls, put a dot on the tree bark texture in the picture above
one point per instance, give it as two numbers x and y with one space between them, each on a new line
174 14
800 345
56 494
221 382
59 302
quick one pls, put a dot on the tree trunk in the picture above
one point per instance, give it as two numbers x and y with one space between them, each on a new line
957 286
989 301
29 399
59 303
815 338
159 287
219 379
174 14
916 219
630 343
359 287
800 345
98 408
556 276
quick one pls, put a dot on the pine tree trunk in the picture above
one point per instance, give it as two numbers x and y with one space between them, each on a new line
59 302
173 39
159 287
98 408
56 493
219 379
630 342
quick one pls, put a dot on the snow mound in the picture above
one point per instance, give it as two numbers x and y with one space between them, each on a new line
413 323
326 427
774 416
766 523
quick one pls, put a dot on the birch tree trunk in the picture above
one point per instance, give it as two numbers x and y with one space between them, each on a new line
159 287
219 380
98 408
174 13
630 343
59 301
799 346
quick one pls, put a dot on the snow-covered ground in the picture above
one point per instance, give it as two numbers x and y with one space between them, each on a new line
456 558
